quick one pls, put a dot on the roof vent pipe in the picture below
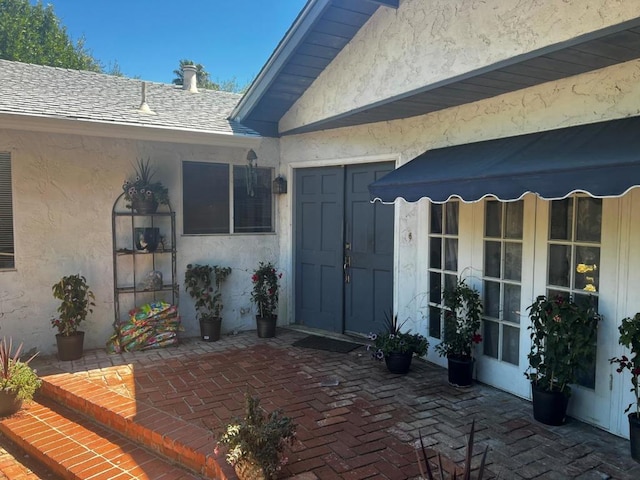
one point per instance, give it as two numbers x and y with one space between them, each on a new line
189 81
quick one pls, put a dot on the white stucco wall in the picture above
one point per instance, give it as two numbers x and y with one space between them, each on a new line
64 187
427 41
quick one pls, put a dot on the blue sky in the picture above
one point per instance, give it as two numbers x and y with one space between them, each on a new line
147 38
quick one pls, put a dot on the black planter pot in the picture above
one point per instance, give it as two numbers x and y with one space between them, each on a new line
145 206
266 326
70 347
210 329
9 403
460 371
634 436
549 408
399 362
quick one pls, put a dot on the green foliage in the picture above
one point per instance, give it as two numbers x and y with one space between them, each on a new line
265 289
15 375
258 438
392 340
76 303
141 186
563 339
427 472
462 320
33 34
199 281
630 337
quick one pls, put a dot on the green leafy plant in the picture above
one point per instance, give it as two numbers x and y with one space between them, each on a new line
462 319
203 283
141 187
428 473
630 337
265 289
16 376
258 438
77 301
392 340
563 338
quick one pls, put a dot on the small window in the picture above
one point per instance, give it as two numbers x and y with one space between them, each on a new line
7 259
208 196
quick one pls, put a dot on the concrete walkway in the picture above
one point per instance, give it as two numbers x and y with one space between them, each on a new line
355 420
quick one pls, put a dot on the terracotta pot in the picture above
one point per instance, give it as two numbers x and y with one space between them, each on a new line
399 362
210 329
266 326
9 403
70 347
145 206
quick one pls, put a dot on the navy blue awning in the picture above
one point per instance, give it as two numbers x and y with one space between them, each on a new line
600 159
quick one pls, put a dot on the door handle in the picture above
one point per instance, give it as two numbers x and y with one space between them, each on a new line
345 268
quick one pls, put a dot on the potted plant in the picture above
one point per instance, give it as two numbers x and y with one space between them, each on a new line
397 348
203 283
630 338
76 303
563 337
18 381
462 319
256 442
143 194
265 296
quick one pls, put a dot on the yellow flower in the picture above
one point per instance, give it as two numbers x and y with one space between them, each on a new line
589 287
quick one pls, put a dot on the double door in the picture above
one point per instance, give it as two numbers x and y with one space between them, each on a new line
343 249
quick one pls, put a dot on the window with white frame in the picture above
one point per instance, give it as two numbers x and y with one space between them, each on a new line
575 227
7 258
443 259
502 277
219 198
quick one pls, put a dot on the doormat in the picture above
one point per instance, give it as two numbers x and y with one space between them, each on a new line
324 343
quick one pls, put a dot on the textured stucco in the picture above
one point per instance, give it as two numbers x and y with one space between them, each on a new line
426 41
64 187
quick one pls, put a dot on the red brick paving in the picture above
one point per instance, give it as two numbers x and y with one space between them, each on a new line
355 420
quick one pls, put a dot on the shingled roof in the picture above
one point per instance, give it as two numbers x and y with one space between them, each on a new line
59 93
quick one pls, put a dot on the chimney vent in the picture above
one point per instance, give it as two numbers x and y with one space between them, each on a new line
189 81
144 107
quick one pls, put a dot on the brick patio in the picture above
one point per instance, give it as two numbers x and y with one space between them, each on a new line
355 420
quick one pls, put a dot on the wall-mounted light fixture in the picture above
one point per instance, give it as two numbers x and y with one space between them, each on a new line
279 185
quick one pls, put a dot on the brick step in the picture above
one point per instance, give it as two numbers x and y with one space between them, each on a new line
75 448
177 441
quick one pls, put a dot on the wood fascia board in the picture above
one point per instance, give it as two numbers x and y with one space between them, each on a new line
386 3
35 123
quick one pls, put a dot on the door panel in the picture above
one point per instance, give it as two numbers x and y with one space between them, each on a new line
369 248
336 223
318 237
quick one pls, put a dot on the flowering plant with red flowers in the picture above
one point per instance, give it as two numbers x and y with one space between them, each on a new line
462 317
563 341
265 289
630 337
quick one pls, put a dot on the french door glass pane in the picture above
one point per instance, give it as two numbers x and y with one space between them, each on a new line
490 338
436 218
587 269
435 287
492 257
561 219
493 219
451 226
513 261
511 308
559 261
510 344
450 281
515 220
435 253
451 254
588 219
435 323
491 299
